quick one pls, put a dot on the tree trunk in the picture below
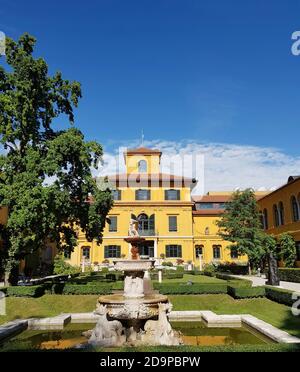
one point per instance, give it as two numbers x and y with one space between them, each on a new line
6 278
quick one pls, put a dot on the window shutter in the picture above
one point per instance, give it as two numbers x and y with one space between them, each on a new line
118 252
172 223
178 194
167 251
106 252
179 251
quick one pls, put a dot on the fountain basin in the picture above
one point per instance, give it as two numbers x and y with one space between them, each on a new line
133 265
121 307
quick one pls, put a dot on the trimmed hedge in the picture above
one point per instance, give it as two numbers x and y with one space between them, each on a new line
167 275
283 296
82 289
232 268
25 291
195 288
289 274
244 292
236 282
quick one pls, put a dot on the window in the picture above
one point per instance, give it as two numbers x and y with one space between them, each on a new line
113 226
112 251
172 194
281 213
67 254
275 215
265 219
142 194
85 252
172 223
234 254
206 231
142 166
295 209
116 194
173 251
216 252
199 250
146 225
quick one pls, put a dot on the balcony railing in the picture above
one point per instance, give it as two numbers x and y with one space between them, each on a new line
149 232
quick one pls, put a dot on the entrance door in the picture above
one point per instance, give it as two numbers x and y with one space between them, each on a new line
147 249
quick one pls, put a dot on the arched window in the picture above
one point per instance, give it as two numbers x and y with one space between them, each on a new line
275 215
206 231
146 224
281 213
295 209
265 219
142 166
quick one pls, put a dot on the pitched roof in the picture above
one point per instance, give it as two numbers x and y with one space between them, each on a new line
211 198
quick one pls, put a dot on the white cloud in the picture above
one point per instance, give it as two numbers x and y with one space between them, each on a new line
226 166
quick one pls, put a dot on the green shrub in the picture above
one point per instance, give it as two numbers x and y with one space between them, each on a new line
283 296
195 288
180 268
234 268
104 270
62 267
236 282
167 263
289 275
210 269
26 291
82 289
244 292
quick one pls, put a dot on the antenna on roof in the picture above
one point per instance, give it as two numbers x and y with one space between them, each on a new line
142 141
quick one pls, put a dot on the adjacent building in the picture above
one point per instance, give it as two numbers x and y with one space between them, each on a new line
280 211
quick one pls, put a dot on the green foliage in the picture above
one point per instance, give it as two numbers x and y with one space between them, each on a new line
82 289
195 288
233 268
287 249
168 274
62 267
180 268
241 225
244 292
283 296
289 274
233 281
210 269
167 263
25 291
45 174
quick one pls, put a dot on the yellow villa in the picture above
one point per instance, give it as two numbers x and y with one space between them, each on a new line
175 224
280 211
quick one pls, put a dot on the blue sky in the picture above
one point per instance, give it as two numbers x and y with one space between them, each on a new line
183 70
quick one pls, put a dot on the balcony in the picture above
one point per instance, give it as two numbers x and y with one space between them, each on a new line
148 232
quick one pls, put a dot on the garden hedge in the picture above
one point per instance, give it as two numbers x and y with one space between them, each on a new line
244 292
289 274
236 282
167 275
233 268
82 289
25 291
195 288
283 296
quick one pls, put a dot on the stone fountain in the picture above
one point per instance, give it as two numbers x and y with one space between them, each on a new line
138 316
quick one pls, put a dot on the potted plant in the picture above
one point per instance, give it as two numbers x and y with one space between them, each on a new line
190 265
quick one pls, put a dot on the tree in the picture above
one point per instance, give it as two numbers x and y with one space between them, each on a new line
45 174
287 249
241 225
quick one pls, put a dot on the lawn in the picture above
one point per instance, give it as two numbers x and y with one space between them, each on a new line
49 305
195 279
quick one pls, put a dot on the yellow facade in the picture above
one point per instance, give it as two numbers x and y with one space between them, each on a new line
194 229
280 211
